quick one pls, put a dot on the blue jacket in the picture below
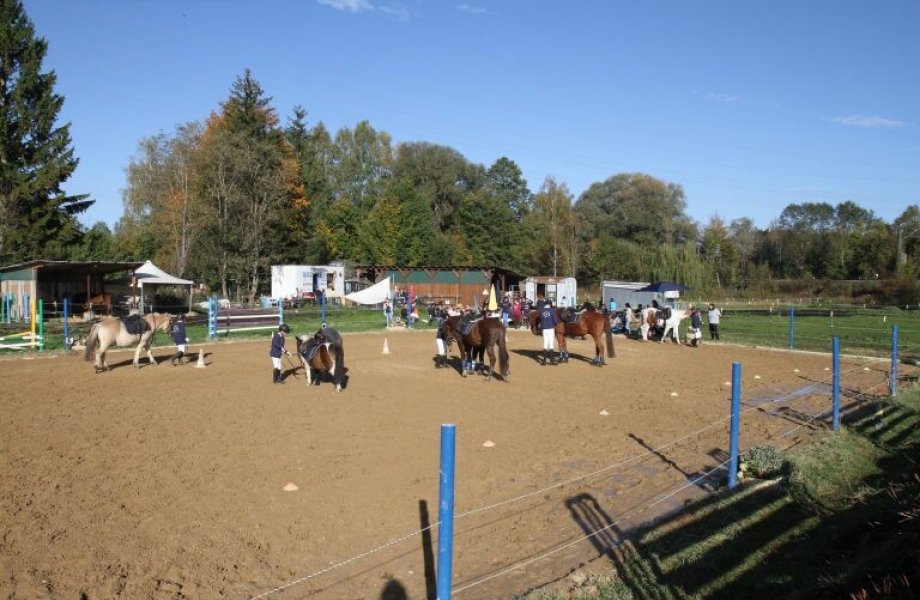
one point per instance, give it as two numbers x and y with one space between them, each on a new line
696 321
548 318
277 345
178 332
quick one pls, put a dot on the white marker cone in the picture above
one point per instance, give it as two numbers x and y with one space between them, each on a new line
200 364
386 347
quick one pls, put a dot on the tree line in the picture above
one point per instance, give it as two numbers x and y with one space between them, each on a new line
222 199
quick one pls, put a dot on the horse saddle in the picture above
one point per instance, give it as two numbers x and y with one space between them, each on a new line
569 315
135 324
468 322
309 348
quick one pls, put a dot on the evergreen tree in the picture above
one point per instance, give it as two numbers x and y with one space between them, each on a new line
37 219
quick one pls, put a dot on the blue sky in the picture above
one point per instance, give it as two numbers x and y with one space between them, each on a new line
748 106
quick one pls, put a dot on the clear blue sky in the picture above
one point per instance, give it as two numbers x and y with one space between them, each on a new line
748 106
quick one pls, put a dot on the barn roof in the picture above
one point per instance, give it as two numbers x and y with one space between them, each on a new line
100 267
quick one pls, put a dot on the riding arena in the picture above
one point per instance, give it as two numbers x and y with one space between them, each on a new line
183 482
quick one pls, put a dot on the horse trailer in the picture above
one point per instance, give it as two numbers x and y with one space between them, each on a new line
634 293
563 291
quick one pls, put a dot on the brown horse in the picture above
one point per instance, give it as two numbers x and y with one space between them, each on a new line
590 322
485 334
323 353
112 331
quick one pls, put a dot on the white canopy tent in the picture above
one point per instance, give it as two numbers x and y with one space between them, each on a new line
149 274
376 294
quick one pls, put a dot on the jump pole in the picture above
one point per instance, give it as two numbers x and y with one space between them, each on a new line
735 427
40 317
446 511
836 388
893 379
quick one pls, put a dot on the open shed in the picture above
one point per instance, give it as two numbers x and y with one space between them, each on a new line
83 284
463 284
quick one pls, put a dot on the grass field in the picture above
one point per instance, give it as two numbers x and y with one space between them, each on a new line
861 331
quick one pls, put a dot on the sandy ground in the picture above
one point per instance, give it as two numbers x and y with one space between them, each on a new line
168 482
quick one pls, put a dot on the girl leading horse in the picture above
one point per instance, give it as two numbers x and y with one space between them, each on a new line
484 334
589 322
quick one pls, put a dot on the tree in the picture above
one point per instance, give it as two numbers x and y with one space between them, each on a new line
554 219
506 181
37 219
162 195
636 207
718 251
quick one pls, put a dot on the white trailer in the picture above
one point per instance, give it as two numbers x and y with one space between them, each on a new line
303 281
563 291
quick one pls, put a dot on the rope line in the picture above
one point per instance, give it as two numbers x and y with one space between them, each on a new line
593 533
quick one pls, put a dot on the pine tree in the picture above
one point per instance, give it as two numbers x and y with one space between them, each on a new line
37 219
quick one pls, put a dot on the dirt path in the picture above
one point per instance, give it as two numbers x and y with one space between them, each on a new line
168 482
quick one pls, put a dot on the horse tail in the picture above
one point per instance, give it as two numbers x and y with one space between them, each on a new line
91 342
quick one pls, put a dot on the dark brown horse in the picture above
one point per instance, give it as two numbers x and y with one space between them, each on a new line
323 353
590 322
485 334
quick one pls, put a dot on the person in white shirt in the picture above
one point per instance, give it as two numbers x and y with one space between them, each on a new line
715 315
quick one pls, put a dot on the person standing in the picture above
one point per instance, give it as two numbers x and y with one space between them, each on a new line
628 319
277 350
714 317
696 327
613 306
388 313
439 316
180 339
548 321
506 310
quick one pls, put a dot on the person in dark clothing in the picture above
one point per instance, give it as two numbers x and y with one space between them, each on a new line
548 321
180 339
440 338
696 326
277 350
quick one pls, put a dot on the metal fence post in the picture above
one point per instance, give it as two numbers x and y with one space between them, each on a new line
735 427
792 328
893 379
836 388
446 512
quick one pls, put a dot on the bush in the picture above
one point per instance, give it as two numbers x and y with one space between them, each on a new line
762 462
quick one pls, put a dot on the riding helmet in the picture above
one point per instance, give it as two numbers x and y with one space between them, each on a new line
284 327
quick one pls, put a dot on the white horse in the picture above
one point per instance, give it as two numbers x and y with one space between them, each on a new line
646 318
673 324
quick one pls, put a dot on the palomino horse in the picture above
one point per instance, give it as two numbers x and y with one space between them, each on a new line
323 353
485 334
112 331
590 322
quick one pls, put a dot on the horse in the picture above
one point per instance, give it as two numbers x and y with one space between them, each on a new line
648 320
590 322
324 352
485 334
673 323
113 331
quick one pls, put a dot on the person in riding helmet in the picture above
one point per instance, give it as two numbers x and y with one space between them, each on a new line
440 338
277 350
548 320
180 339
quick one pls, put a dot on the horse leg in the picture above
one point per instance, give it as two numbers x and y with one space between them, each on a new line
137 356
491 370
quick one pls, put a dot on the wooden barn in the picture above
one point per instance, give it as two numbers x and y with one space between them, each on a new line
463 284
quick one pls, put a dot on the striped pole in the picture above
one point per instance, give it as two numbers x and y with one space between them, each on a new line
40 317
893 380
735 427
446 512
836 389
280 311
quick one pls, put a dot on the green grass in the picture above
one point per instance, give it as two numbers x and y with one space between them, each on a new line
861 331
844 521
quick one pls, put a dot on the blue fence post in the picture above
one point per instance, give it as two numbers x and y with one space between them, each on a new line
446 511
322 308
735 427
212 317
893 380
67 340
792 328
836 388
